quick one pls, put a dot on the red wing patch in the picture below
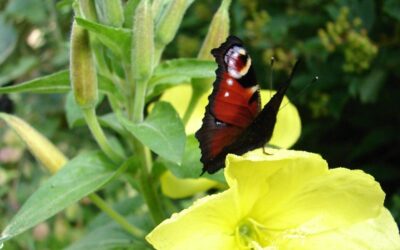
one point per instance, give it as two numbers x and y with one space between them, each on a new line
233 104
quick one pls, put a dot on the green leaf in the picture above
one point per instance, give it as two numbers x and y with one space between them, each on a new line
64 3
8 39
54 83
129 12
112 236
124 207
107 86
191 166
110 120
57 83
117 39
178 71
73 112
109 12
159 84
78 178
189 67
162 132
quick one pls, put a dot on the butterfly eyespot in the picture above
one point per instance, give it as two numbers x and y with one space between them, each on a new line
237 61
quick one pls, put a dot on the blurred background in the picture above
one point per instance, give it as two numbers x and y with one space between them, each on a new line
351 116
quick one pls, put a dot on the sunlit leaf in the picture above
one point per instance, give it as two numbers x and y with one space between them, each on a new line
162 131
117 39
78 178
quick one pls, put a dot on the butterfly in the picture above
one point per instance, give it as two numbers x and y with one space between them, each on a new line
234 122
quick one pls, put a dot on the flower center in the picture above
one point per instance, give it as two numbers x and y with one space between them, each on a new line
249 234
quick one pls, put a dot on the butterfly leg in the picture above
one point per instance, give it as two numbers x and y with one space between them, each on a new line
264 151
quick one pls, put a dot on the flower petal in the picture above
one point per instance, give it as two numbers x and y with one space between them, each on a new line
288 124
208 224
338 198
178 188
271 177
377 233
293 189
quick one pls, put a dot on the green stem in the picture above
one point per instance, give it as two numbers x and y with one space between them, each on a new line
98 134
146 184
158 50
100 203
139 100
130 81
145 179
194 99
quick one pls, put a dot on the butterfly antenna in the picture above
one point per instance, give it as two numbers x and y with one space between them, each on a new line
271 79
315 79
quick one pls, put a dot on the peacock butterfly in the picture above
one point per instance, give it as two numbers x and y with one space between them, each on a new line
234 121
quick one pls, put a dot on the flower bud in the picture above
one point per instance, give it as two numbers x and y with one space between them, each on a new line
143 41
217 33
88 9
43 150
82 67
169 22
110 12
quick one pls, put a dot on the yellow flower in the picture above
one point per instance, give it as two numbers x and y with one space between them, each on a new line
287 200
286 133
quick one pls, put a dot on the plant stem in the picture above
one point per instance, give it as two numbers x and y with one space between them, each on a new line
146 183
158 50
145 179
130 81
98 134
100 203
139 100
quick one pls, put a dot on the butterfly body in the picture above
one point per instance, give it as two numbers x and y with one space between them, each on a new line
234 121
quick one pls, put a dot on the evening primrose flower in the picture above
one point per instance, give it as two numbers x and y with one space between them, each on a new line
286 133
286 200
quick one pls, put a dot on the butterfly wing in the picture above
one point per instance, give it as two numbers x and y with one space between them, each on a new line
233 104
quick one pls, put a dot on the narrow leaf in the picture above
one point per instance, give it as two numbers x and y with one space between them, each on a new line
54 83
73 112
58 82
117 39
189 67
178 71
162 132
78 178
112 236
